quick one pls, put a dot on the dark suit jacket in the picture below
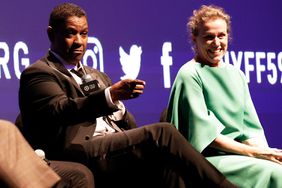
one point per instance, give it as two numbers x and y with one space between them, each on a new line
55 113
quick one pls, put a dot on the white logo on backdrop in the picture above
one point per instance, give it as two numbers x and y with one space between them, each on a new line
166 62
130 62
94 52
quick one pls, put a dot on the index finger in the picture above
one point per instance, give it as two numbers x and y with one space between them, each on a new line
141 82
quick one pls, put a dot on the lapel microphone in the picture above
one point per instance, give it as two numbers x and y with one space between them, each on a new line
89 84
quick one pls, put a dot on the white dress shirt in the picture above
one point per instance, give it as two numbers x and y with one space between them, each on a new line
102 127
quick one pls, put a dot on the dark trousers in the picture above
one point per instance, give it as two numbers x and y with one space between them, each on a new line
74 175
155 155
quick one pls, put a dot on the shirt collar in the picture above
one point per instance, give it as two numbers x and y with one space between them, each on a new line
66 64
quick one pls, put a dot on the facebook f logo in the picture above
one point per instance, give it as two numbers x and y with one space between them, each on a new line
166 61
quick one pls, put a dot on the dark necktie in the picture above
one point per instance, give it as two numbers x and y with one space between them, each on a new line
111 123
78 72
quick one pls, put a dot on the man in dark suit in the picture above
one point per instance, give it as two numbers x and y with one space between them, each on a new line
60 115
21 167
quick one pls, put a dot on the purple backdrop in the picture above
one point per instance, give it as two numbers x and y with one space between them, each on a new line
158 28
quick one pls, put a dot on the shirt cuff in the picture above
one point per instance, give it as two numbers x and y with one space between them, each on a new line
118 115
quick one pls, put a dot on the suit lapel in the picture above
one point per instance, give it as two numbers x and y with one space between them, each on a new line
57 66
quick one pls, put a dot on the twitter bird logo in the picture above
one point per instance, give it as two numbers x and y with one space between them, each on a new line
131 62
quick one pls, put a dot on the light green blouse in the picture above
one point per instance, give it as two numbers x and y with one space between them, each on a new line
207 101
212 101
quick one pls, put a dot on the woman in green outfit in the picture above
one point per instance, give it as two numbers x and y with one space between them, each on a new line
211 106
